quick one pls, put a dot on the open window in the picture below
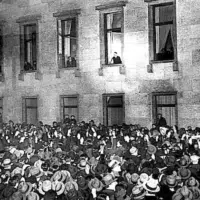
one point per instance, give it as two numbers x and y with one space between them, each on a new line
113 109
162 35
111 32
166 104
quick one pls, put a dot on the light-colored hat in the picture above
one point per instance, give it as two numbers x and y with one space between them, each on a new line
194 159
143 178
59 176
134 151
45 187
71 185
151 186
138 192
25 188
151 149
171 181
183 192
58 186
33 196
7 163
95 183
17 170
192 182
195 193
134 177
108 179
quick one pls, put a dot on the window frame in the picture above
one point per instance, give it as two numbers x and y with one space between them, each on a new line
103 11
24 107
152 33
64 16
62 107
1 49
155 105
105 107
26 21
2 98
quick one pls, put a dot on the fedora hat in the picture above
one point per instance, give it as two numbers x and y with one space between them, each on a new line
35 171
32 196
82 164
95 183
138 192
195 193
171 181
25 188
71 185
183 162
151 149
7 163
108 179
45 187
192 182
134 177
194 159
58 176
170 160
58 186
134 151
151 186
185 192
184 173
143 178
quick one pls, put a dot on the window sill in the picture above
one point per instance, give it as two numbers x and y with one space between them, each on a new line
161 61
112 65
28 72
38 74
67 68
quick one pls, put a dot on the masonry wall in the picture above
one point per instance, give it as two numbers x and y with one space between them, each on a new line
137 84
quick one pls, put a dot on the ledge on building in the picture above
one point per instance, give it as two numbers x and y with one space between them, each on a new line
38 74
58 72
111 5
149 1
29 18
77 72
67 13
122 69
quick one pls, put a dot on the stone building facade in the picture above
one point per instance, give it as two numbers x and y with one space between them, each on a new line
134 91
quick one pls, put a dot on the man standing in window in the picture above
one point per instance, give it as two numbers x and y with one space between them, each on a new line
116 59
161 121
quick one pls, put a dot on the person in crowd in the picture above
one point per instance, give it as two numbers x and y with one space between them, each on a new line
161 121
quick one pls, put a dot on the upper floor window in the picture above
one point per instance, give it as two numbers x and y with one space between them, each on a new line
163 33
29 42
111 32
67 32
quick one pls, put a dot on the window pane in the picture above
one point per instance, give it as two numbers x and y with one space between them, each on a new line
31 115
115 116
70 27
70 101
169 113
71 111
164 13
31 102
169 99
164 42
111 101
114 44
114 20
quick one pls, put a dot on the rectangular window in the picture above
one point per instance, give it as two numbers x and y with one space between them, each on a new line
30 110
111 32
163 31
165 104
113 109
67 42
30 47
1 106
1 50
69 106
29 40
113 37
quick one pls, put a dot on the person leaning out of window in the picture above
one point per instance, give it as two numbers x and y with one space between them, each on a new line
116 59
71 61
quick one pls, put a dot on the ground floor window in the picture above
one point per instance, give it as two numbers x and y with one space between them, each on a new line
113 109
165 103
69 106
30 110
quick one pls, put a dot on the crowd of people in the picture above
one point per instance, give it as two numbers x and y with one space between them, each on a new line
84 161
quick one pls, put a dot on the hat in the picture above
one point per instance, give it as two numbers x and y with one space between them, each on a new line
194 159
99 169
33 196
195 193
25 188
7 163
17 170
134 151
93 161
185 192
170 160
108 179
138 192
17 196
151 149
82 183
134 177
95 183
82 164
171 181
183 162
151 186
58 186
184 173
34 171
45 187
58 176
71 185
143 178
192 182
